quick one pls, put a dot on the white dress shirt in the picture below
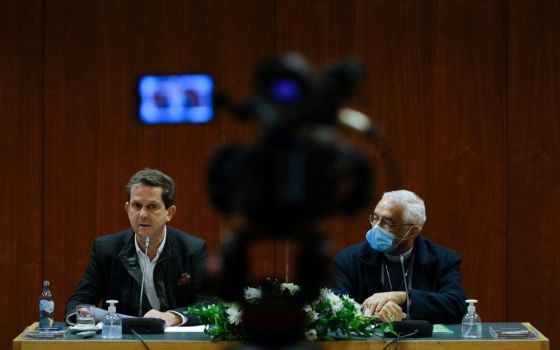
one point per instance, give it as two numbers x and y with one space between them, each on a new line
147 267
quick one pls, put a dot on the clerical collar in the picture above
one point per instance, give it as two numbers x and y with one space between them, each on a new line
397 258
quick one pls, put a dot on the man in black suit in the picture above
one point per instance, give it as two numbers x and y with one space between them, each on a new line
150 268
397 274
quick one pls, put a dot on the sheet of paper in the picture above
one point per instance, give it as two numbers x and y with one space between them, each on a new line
440 328
100 313
191 329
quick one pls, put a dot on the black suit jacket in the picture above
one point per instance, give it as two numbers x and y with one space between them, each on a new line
436 294
114 273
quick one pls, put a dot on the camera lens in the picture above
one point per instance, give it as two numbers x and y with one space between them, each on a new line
285 90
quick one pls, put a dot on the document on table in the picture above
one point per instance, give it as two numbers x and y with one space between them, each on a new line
440 328
190 329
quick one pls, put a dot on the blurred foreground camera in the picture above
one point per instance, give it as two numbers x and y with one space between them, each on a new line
286 180
296 172
287 93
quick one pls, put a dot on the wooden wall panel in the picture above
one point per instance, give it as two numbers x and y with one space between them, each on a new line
21 116
466 91
94 143
534 165
465 146
436 82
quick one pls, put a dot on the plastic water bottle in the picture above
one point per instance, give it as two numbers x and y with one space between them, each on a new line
46 306
472 324
112 324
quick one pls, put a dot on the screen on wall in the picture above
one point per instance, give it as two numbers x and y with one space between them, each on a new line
169 99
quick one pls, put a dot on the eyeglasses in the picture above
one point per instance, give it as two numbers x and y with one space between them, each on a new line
374 219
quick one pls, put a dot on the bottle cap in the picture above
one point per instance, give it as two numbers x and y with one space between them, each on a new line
471 309
46 283
112 308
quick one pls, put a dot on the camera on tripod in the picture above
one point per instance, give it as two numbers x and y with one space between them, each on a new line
296 172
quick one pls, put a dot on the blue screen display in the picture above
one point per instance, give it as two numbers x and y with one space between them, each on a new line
166 99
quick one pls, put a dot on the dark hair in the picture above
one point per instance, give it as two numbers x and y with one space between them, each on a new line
154 178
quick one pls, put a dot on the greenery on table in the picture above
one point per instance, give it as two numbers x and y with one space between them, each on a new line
329 316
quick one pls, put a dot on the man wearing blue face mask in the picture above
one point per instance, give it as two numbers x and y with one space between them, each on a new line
396 273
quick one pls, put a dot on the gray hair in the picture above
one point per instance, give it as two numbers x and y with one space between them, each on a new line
154 178
414 209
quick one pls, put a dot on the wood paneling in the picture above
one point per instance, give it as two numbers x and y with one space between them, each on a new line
436 83
21 116
92 134
465 146
466 91
534 165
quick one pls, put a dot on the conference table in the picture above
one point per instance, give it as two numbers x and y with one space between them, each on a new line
197 340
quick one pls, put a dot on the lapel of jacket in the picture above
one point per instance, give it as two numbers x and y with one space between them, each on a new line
129 259
424 264
371 261
160 271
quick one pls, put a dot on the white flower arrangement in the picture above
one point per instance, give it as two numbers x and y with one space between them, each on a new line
252 295
290 288
330 316
234 314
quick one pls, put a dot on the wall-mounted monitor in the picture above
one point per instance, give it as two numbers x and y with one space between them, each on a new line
168 99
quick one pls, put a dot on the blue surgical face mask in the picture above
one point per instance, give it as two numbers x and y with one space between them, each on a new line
380 239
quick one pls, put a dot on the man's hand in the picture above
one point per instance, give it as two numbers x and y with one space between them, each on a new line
386 305
170 318
376 302
391 312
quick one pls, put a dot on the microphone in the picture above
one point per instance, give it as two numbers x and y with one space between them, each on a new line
146 244
412 329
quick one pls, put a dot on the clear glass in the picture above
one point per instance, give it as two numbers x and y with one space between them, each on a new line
84 315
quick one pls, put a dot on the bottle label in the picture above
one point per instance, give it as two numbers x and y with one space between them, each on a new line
45 322
46 305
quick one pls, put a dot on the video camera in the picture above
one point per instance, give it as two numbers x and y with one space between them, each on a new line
296 172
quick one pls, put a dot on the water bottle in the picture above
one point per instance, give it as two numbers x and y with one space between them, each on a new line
472 324
46 306
112 324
